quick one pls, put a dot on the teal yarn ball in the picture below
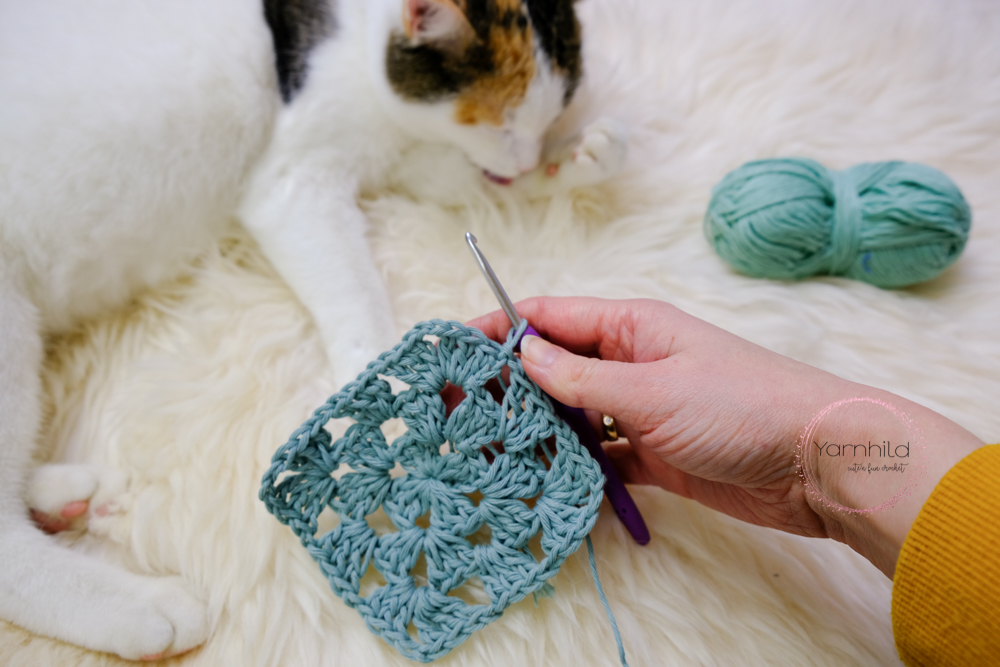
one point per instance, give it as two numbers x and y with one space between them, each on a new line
890 224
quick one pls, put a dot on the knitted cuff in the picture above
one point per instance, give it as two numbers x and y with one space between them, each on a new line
946 591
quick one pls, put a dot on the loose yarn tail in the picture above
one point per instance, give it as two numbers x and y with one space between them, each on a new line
604 601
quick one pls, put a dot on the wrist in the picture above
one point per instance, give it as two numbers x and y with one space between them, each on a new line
869 460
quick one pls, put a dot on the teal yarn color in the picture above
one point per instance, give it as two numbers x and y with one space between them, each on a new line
508 463
890 224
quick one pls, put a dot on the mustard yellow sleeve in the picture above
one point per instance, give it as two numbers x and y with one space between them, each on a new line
946 589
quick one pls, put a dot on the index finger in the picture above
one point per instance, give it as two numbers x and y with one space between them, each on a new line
556 319
592 327
495 325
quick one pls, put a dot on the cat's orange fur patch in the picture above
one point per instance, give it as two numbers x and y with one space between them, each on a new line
514 66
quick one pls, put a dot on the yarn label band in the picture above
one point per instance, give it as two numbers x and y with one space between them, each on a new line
861 455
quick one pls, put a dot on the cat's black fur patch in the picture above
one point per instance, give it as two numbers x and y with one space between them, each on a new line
297 26
559 33
426 74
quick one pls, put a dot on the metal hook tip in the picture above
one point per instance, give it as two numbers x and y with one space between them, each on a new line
491 278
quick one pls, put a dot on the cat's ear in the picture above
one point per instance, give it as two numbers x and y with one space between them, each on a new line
438 23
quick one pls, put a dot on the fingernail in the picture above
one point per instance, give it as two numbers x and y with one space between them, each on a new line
538 351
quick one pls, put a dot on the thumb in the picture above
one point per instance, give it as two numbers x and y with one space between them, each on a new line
580 382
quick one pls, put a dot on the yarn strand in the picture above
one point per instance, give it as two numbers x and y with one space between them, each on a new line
604 601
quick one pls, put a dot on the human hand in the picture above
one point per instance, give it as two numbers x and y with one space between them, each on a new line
715 418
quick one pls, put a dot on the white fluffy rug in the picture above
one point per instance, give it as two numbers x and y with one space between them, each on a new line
191 391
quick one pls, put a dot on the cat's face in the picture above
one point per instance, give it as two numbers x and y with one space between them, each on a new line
489 76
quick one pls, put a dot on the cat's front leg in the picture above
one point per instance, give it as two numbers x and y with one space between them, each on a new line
597 154
309 226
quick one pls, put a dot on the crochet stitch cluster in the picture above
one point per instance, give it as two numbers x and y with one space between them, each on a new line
513 455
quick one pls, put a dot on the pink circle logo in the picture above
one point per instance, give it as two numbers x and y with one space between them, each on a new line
861 455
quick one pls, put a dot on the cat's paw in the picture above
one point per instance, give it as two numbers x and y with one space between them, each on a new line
599 155
168 620
62 495
142 618
595 156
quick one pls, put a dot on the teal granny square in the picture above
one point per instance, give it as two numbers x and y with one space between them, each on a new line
501 459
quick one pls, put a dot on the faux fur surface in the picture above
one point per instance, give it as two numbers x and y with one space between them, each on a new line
191 390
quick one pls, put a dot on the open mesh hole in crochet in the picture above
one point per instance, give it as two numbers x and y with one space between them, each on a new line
452 396
419 571
471 592
424 520
535 547
483 535
472 505
371 581
392 429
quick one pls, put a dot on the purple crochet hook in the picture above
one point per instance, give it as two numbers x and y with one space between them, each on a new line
614 489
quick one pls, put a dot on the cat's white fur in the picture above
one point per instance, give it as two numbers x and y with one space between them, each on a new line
129 134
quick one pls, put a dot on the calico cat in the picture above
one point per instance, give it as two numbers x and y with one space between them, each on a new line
130 133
